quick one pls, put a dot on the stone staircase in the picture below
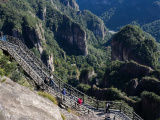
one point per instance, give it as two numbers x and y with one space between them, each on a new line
38 71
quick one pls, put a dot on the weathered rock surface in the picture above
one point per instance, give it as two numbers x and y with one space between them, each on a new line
85 76
132 43
93 23
50 62
131 69
71 4
20 103
72 35
131 87
150 107
135 70
148 84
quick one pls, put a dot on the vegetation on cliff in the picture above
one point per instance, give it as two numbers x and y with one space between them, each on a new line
150 105
55 26
22 19
153 29
135 45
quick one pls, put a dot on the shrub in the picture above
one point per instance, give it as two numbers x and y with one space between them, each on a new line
16 76
150 105
63 117
84 88
4 80
1 72
113 94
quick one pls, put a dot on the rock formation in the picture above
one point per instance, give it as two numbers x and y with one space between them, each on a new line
71 35
18 102
85 76
131 43
150 106
131 87
148 84
50 63
135 70
127 71
94 24
70 3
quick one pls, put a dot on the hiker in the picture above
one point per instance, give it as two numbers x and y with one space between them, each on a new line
51 81
51 76
107 107
64 93
46 80
3 38
80 101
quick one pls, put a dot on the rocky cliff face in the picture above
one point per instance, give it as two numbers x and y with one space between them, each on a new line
34 37
70 34
50 62
75 37
70 3
131 87
85 76
150 107
148 84
18 102
94 24
127 71
131 43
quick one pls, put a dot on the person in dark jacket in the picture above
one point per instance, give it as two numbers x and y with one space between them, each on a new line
64 93
107 107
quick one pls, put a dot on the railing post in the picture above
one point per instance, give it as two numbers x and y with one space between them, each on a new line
75 105
133 116
83 98
59 84
97 104
61 98
114 117
120 106
70 91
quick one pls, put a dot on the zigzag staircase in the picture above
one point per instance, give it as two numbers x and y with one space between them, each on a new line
38 71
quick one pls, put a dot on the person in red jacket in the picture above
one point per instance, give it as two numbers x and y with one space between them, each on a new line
80 101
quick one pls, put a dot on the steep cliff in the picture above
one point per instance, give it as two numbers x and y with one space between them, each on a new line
69 34
70 3
150 106
85 18
93 23
131 43
86 75
150 84
120 73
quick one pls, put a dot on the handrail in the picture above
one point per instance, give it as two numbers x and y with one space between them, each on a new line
61 84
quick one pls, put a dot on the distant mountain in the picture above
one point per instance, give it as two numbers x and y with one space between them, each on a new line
117 13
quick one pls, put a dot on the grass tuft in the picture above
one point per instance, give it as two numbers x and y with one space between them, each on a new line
63 117
4 80
49 96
